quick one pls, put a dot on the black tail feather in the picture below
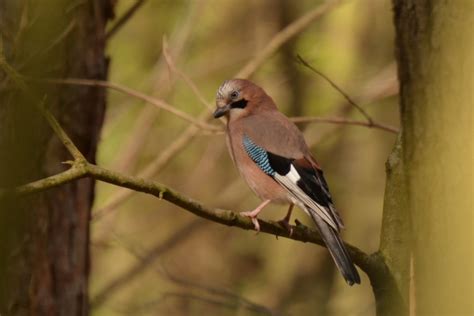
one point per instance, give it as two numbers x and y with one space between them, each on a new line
337 249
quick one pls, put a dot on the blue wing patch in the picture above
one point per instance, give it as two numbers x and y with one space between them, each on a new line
258 155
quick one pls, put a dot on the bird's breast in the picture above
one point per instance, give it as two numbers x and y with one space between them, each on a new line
264 186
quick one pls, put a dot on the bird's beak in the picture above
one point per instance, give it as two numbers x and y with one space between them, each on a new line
221 110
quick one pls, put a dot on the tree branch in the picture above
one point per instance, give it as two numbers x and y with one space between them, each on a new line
338 89
156 165
283 36
77 171
67 142
186 79
162 192
153 101
344 121
123 19
145 261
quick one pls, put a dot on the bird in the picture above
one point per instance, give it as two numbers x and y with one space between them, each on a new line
272 156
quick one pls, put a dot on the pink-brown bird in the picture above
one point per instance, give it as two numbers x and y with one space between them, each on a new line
272 156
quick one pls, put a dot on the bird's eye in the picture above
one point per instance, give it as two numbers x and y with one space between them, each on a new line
234 94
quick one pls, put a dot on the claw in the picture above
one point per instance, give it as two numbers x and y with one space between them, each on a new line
286 225
285 222
254 219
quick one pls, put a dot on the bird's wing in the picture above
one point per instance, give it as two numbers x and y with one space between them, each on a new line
274 132
279 150
308 187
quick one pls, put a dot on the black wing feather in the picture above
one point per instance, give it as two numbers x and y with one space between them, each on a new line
312 181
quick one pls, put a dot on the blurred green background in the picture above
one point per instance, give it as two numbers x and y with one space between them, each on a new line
203 268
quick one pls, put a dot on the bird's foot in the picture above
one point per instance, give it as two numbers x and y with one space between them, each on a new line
254 219
253 214
285 223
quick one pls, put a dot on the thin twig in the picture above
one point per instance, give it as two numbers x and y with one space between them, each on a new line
290 31
335 86
219 302
62 36
11 73
139 309
129 153
151 169
68 143
344 121
187 80
123 19
137 138
155 166
222 292
136 94
145 261
77 171
42 52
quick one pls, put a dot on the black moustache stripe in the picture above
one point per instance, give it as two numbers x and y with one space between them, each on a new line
239 104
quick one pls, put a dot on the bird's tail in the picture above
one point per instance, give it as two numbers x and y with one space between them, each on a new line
337 249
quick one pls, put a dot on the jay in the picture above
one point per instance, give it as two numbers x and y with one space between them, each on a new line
273 158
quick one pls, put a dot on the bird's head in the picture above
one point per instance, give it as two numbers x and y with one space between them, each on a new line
239 97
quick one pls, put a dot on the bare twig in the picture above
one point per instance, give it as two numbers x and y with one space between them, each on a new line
290 31
187 80
219 302
60 37
11 73
137 138
381 85
77 171
220 292
136 94
176 146
67 142
344 121
128 154
335 86
52 45
145 261
262 310
124 18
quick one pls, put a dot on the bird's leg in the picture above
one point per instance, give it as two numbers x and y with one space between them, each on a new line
285 222
253 214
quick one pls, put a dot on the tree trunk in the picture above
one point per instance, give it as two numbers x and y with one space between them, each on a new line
436 67
44 239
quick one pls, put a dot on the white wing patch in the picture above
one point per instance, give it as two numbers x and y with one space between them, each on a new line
289 182
293 175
